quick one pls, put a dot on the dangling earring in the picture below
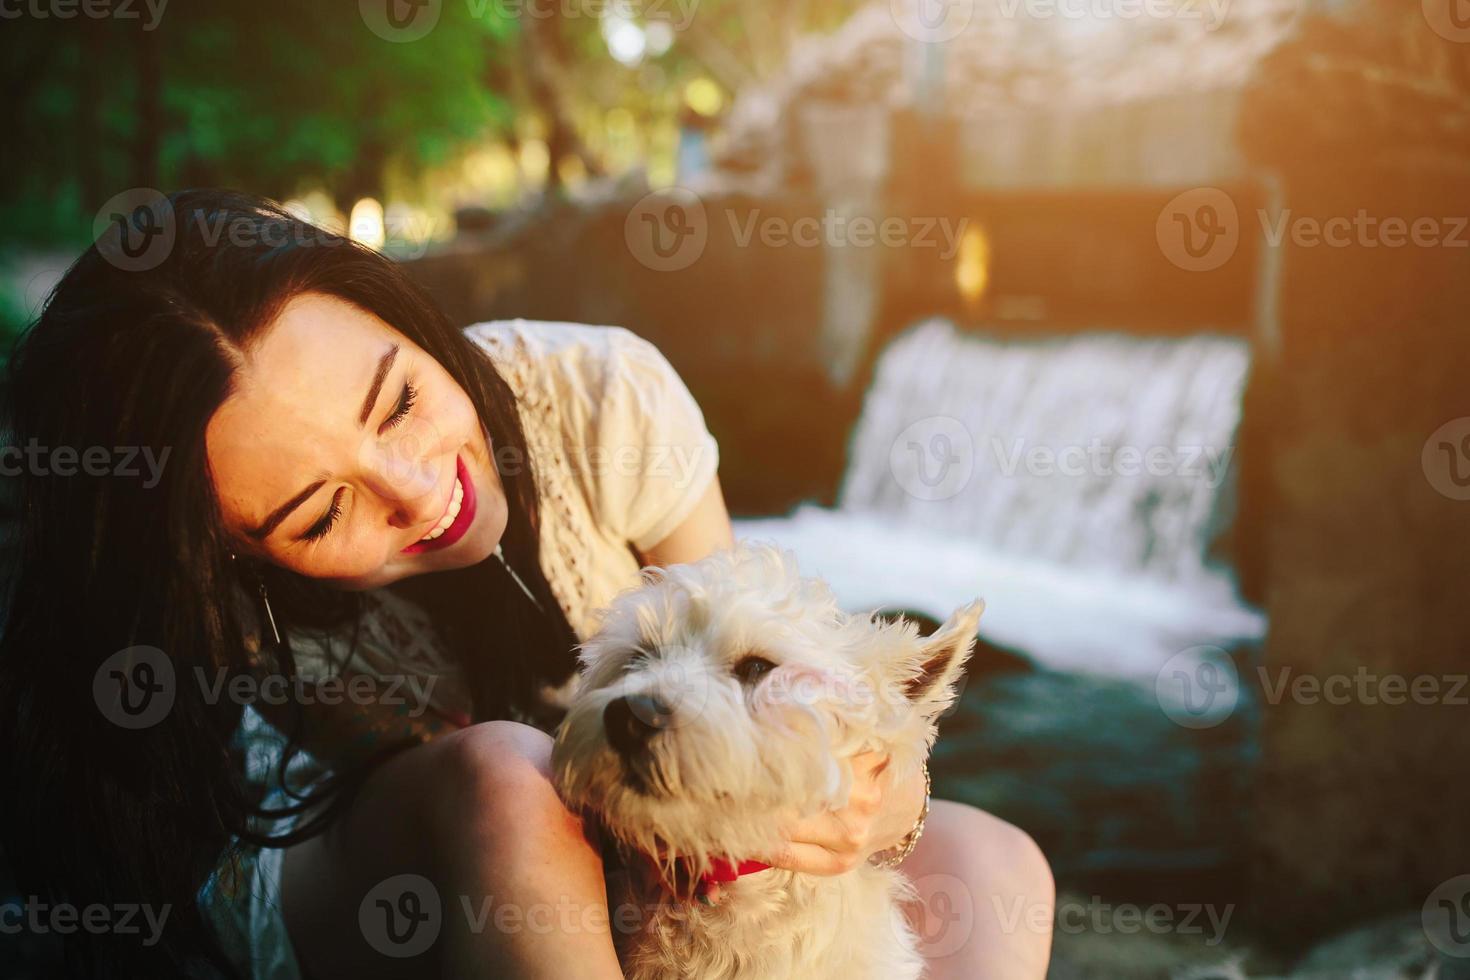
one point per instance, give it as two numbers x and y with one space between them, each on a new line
270 617
265 600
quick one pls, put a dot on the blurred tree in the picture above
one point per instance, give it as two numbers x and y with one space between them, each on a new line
552 88
734 43
278 96
271 96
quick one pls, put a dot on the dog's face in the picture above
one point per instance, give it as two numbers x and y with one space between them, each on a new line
723 696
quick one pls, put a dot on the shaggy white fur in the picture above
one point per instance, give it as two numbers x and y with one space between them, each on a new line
718 699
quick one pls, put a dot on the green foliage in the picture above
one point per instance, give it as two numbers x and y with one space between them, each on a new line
281 96
270 95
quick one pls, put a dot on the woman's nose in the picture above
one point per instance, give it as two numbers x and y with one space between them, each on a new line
406 470
407 511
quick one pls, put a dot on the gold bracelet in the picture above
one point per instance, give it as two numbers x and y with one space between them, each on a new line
894 856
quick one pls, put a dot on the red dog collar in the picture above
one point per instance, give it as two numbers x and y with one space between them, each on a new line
721 871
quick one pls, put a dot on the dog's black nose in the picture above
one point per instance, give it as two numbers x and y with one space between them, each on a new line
632 720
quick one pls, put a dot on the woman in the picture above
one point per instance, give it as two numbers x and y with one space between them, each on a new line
386 535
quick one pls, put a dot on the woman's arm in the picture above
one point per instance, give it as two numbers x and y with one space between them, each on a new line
706 530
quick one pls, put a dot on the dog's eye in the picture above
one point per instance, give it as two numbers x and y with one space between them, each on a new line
751 668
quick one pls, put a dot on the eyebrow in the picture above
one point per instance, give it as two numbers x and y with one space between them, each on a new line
385 364
273 521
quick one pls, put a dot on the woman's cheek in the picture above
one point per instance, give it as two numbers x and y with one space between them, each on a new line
355 560
458 420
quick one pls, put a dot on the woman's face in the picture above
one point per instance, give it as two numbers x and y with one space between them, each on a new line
347 453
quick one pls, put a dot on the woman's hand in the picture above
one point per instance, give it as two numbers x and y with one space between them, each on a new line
878 815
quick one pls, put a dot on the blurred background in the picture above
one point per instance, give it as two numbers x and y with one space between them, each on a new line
1144 319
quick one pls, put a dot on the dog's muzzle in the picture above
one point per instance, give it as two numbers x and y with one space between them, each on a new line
632 720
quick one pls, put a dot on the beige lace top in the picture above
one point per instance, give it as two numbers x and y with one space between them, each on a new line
621 455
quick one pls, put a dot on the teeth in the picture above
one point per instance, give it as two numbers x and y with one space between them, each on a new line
456 500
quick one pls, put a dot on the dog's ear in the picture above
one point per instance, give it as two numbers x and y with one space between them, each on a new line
929 674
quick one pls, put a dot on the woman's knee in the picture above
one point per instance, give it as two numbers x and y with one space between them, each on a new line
483 767
497 788
987 898
999 855
1026 869
498 750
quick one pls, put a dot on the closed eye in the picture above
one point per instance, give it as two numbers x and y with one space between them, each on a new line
324 525
750 668
405 404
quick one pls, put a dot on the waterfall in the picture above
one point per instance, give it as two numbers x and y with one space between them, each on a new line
1094 451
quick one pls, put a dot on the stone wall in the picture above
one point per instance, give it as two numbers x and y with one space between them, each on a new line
1360 806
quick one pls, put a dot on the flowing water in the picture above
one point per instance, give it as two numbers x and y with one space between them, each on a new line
1097 450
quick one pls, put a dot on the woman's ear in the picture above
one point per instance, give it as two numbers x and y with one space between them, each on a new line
929 674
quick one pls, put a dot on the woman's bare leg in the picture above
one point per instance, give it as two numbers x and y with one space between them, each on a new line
986 897
519 885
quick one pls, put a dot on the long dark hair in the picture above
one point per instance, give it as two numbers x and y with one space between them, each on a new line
122 357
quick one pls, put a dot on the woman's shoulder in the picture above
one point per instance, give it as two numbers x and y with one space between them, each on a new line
558 344
591 375
615 412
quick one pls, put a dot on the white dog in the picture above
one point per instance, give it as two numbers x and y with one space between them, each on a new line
717 700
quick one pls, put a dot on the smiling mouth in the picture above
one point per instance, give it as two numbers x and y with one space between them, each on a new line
458 515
